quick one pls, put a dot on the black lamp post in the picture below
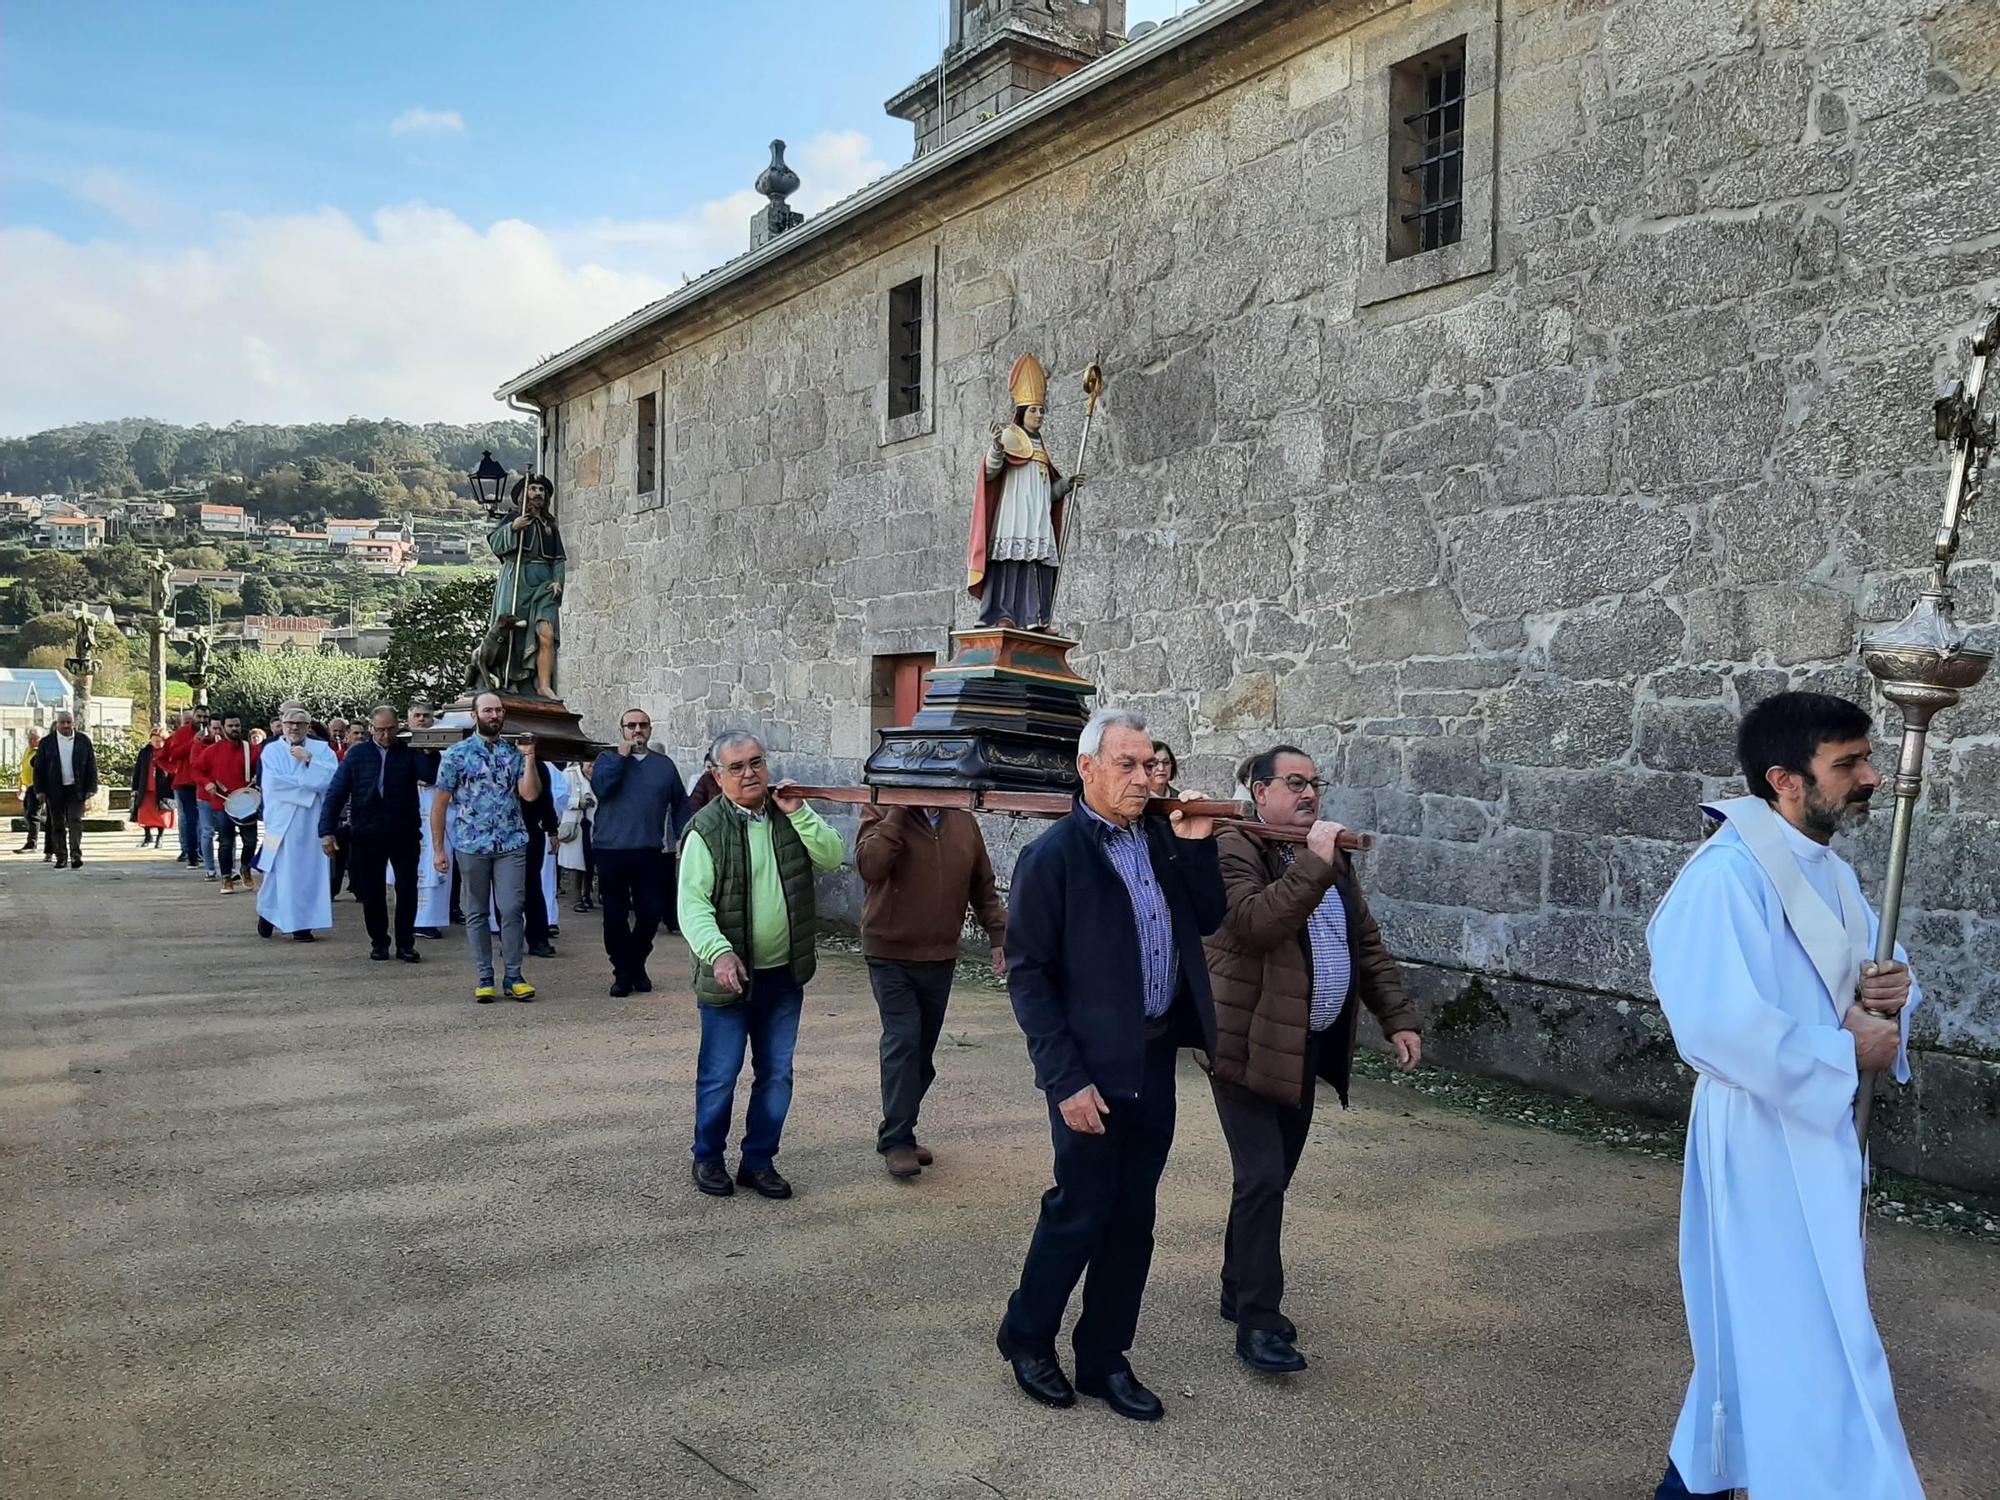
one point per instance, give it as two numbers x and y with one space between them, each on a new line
488 480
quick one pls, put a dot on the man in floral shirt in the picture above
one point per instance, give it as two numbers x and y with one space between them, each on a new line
482 779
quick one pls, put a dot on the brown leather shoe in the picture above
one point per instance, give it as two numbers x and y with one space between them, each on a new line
923 1156
902 1161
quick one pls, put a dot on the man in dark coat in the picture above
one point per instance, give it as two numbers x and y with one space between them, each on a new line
66 778
1104 966
376 787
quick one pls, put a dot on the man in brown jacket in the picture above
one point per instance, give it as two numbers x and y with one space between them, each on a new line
922 867
1297 946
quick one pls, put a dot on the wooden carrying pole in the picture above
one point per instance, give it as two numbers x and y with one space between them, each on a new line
1058 804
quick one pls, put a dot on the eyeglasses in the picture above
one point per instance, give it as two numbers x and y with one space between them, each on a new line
743 767
1296 784
637 724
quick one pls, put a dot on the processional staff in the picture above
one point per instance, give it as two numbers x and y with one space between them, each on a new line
1923 663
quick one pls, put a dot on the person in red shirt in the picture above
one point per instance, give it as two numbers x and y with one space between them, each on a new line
225 766
178 761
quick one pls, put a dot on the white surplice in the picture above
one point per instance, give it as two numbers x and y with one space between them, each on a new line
1756 952
297 893
433 889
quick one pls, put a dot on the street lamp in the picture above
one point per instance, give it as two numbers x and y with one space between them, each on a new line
488 480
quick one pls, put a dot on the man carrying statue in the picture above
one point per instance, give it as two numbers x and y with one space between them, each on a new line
1017 512
518 654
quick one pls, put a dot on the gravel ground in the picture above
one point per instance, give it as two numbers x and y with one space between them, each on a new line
282 1222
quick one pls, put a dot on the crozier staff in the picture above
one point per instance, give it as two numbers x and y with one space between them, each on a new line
1017 512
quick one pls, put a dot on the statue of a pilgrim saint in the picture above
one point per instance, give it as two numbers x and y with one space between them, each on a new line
519 653
1017 512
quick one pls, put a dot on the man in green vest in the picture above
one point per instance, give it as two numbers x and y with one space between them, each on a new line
747 912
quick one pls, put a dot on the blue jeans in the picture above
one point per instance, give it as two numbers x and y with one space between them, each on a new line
212 821
766 1022
188 824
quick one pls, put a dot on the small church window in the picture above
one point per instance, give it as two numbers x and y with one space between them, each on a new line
906 348
1427 153
647 431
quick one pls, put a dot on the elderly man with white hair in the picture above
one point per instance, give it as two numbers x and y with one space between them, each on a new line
748 914
1106 972
295 772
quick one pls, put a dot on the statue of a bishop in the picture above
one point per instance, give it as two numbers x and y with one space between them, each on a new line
1017 512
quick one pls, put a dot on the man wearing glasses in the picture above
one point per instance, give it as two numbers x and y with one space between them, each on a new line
1296 947
640 803
748 914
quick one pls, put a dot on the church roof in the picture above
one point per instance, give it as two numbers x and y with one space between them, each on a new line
1205 17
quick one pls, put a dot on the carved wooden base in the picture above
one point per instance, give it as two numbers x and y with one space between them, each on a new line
558 732
1004 714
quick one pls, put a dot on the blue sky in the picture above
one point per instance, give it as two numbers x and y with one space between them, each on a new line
212 209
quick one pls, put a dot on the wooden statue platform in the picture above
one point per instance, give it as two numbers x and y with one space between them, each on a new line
1003 715
558 732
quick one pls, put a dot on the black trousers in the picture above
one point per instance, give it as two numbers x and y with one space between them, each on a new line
1265 1142
369 855
911 998
630 888
228 833
1096 1227
343 852
65 814
534 910
31 813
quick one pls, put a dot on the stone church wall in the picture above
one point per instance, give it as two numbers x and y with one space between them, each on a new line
1510 554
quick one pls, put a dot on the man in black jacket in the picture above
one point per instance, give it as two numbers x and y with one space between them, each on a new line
377 787
66 778
1105 969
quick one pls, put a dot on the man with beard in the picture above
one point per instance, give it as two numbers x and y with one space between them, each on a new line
482 781
1761 961
226 766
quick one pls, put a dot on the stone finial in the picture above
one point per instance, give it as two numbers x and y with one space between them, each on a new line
776 182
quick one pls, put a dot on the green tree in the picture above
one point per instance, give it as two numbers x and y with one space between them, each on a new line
260 598
432 638
198 604
23 604
205 559
254 683
41 631
57 577
120 571
13 558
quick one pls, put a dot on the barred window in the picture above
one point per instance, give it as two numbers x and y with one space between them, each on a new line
1427 151
646 421
906 348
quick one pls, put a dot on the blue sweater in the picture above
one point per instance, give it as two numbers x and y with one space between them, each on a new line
635 797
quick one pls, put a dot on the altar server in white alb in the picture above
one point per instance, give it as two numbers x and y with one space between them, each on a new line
434 903
295 896
1761 958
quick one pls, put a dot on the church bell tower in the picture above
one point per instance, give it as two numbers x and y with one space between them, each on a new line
1000 52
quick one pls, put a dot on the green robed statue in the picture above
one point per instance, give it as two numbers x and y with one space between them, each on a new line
518 654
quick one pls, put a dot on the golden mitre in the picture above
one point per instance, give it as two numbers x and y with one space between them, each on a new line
1028 384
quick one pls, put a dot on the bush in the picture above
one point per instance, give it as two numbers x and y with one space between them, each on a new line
254 683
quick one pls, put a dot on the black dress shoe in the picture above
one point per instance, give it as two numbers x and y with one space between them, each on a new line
304 935
620 989
765 1180
713 1178
1268 1353
1039 1376
264 927
542 950
409 956
380 955
642 983
1122 1392
1285 1325
429 932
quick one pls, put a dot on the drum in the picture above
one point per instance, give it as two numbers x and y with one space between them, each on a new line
243 805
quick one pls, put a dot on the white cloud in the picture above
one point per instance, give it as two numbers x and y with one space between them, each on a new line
428 122
414 313
118 196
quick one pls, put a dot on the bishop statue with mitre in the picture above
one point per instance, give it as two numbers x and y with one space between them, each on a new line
1017 512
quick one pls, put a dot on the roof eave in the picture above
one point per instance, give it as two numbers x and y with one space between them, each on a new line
1086 80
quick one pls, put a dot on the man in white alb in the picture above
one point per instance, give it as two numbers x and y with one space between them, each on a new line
296 771
1761 959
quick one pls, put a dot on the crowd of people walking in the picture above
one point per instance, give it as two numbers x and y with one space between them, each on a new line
1125 938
